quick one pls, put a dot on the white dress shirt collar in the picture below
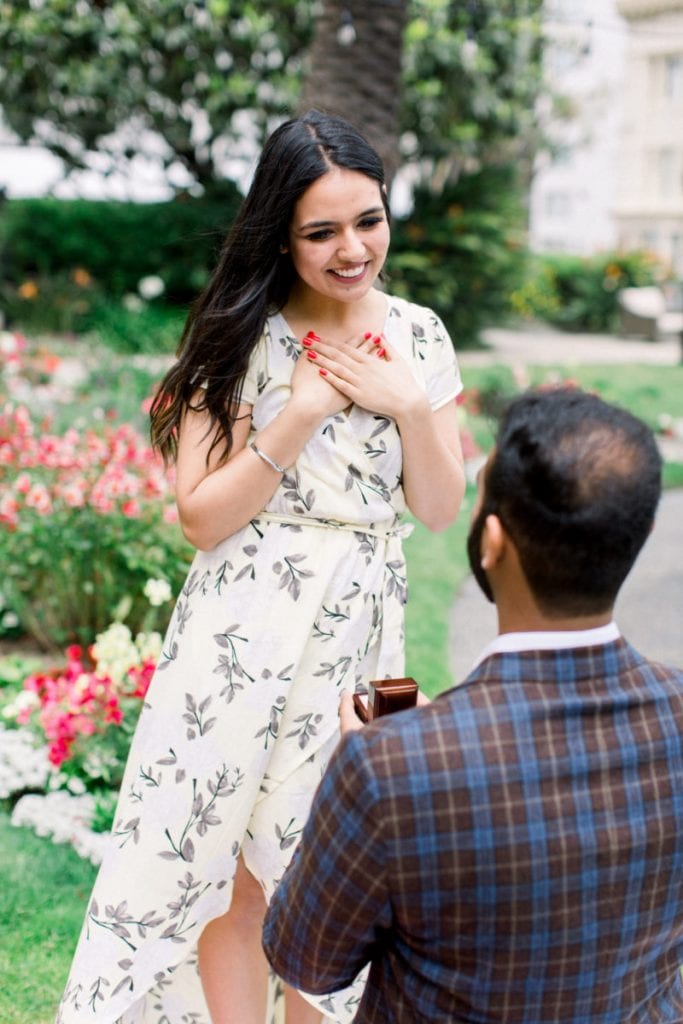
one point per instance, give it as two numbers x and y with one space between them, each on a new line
506 643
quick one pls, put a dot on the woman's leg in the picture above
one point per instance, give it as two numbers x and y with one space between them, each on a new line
298 1010
232 964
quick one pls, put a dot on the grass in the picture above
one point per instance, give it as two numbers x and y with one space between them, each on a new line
437 565
45 887
44 894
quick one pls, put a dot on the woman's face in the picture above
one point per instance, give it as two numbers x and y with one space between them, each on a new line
339 235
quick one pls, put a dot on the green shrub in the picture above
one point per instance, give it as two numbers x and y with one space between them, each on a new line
116 243
580 293
76 265
461 251
149 329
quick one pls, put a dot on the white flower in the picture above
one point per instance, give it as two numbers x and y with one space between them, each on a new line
133 303
151 287
23 764
65 818
157 592
25 700
149 645
115 652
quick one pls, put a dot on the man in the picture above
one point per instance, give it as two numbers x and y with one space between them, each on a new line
513 851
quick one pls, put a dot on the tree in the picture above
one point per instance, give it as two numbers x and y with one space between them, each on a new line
471 80
186 80
354 69
447 85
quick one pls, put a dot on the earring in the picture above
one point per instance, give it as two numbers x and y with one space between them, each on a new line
283 248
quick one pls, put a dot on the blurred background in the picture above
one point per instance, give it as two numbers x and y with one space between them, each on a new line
534 150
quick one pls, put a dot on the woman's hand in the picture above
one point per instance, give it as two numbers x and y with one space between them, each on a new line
315 391
318 390
372 374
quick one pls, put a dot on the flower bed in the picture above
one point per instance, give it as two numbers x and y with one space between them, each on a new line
86 517
64 748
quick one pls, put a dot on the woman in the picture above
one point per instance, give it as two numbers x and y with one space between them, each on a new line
306 409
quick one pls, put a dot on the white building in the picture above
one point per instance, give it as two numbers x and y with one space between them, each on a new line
572 196
649 203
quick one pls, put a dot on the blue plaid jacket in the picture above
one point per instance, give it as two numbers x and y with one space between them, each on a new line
511 853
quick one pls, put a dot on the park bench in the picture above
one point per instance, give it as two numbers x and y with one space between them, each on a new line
646 313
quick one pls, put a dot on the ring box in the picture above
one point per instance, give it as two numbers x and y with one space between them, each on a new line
385 696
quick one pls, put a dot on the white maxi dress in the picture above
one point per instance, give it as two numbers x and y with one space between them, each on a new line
242 714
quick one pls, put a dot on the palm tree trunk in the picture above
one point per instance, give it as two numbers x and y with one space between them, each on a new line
355 69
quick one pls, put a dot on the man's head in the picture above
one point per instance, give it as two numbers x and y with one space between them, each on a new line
575 483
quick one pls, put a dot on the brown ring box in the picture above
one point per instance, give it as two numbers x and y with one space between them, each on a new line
385 696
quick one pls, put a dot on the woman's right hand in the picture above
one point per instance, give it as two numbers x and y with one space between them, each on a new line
313 390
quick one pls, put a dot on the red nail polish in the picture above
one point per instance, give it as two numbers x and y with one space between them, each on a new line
380 352
313 336
367 336
306 342
323 373
377 340
312 355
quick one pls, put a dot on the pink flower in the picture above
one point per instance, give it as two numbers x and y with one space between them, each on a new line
39 499
9 508
170 514
76 704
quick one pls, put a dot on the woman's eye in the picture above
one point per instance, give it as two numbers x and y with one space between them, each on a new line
319 236
370 222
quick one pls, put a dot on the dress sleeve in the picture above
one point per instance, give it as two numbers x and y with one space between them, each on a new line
434 347
332 904
256 376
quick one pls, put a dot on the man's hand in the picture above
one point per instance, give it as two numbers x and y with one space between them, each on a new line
348 719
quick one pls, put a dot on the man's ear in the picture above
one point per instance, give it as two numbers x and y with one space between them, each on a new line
492 542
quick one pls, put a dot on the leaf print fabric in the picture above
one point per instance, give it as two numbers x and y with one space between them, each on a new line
241 717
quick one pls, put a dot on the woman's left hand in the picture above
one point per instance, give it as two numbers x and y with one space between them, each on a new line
372 375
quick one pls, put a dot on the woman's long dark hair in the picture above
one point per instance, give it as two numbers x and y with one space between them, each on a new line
253 277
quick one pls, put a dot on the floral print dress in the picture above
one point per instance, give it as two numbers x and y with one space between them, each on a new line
242 714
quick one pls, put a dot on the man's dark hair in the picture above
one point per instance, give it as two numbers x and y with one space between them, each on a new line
575 482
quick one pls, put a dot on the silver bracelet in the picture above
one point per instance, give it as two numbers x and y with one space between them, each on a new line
266 458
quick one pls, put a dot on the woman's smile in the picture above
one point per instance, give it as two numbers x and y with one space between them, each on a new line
350 273
339 235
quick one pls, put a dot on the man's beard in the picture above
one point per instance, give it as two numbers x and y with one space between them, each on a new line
474 553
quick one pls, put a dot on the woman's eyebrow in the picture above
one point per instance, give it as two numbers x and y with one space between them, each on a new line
331 223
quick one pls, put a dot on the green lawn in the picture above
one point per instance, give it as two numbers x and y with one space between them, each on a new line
44 893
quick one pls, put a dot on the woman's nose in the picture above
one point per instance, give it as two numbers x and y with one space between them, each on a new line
351 247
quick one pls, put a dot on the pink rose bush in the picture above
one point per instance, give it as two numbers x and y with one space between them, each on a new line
86 516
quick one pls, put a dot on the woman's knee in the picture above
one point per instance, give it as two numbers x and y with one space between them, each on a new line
247 894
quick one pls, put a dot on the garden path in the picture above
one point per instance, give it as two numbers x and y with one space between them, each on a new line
649 607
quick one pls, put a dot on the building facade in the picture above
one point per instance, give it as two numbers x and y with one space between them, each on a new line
573 189
649 200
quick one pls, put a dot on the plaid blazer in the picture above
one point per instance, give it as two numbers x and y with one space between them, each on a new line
511 853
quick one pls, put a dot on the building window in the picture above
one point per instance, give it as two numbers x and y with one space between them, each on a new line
669 184
673 77
677 255
649 239
558 205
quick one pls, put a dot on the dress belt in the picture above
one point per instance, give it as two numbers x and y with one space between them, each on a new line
401 530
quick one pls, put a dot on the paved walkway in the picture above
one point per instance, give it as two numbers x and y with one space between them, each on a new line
539 345
650 606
